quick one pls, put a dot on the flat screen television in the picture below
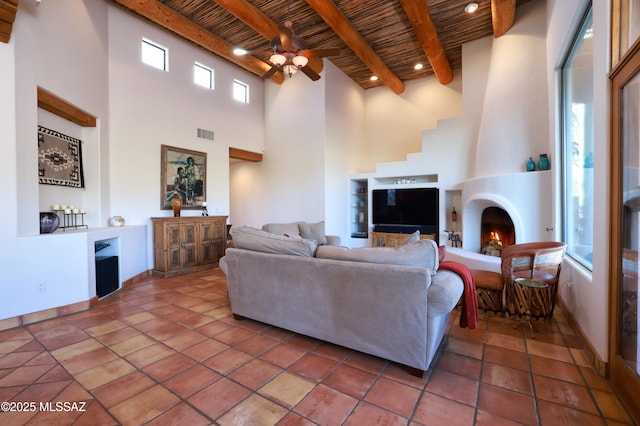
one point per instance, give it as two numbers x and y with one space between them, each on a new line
405 210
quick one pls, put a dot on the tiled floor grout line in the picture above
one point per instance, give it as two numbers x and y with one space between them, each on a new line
536 402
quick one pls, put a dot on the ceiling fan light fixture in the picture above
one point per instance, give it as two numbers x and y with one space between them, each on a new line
418 66
290 70
278 59
373 78
471 7
300 61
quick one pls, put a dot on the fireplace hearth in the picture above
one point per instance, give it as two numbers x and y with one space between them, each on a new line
496 231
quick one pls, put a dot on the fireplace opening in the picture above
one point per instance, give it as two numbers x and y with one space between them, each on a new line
496 231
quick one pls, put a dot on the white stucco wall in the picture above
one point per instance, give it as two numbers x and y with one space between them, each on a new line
288 185
46 51
88 54
167 108
514 113
394 123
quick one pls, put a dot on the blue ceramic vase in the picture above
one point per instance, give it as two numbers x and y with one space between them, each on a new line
543 162
531 165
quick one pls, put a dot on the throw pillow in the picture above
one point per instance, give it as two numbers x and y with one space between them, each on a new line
313 231
245 237
442 252
421 254
412 238
289 229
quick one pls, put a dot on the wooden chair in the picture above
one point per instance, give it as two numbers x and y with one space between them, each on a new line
541 261
489 290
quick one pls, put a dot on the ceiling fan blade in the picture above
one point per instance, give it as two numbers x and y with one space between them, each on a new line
285 36
310 73
271 72
319 53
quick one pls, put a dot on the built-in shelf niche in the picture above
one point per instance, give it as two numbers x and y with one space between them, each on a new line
107 264
453 198
408 180
359 208
107 247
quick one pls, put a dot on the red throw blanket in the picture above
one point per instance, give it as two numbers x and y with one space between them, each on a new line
469 315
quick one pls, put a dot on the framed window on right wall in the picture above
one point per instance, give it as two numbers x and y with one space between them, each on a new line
577 145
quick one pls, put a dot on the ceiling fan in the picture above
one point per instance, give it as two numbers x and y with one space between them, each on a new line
290 54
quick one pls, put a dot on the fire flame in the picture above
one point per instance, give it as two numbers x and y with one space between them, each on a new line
495 237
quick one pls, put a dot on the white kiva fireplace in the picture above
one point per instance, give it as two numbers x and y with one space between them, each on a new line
506 209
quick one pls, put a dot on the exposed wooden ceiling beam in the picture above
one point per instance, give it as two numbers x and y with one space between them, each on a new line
256 19
420 19
157 12
352 38
241 154
60 107
503 16
8 10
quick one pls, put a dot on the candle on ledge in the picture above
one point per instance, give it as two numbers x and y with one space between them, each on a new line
71 206
56 207
63 206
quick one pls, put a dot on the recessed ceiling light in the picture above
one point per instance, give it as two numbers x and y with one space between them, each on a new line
471 7
238 51
373 78
418 66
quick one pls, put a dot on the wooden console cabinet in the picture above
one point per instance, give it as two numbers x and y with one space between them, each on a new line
391 239
187 244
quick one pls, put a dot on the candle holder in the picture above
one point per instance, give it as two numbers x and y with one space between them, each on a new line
72 219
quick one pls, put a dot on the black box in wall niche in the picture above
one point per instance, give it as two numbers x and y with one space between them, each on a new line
107 277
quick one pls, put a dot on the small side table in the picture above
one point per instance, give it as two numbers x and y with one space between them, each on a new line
529 285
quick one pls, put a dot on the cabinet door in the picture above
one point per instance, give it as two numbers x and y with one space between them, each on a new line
189 244
173 241
212 240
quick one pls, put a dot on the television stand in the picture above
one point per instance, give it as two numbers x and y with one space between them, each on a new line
393 239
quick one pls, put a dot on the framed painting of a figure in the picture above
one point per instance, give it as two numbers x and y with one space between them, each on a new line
183 175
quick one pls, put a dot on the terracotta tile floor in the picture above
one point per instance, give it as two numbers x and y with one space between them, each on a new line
168 352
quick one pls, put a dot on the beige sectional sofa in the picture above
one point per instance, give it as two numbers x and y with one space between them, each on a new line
389 302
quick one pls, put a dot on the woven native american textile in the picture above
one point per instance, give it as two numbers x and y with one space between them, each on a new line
59 159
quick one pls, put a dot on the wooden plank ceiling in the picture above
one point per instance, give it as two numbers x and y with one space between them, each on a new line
385 38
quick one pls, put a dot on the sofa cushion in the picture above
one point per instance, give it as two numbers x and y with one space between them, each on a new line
422 254
248 238
313 231
288 229
444 292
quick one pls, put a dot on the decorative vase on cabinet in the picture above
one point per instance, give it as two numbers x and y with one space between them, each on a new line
176 204
543 162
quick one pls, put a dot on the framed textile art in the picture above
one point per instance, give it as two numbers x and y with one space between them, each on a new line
183 174
59 159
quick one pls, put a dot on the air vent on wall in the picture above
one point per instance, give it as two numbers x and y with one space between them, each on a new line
205 134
